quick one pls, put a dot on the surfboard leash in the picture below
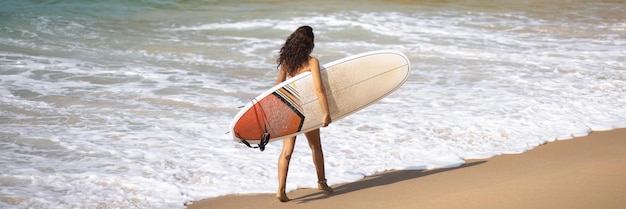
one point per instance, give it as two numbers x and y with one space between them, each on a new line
261 146
265 138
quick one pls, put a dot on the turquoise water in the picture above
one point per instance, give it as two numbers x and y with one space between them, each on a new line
126 104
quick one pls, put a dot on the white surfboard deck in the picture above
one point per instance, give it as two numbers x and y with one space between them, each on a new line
291 107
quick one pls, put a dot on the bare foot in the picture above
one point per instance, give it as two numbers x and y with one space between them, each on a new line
321 185
282 197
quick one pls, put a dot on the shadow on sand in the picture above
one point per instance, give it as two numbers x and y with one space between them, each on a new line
381 179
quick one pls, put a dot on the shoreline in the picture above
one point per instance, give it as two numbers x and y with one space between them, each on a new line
583 172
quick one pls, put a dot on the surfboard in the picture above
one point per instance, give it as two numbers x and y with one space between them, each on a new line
292 107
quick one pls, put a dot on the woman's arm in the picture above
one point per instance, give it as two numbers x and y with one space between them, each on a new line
282 75
314 66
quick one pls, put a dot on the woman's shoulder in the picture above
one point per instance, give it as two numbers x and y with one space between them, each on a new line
313 60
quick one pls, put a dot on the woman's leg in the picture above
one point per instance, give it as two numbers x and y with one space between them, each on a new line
318 159
283 167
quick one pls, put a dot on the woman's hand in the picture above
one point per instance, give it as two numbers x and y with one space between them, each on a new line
326 120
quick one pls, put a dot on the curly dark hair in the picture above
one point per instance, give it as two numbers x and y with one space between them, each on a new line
296 51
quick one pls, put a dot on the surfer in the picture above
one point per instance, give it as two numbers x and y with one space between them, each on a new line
295 58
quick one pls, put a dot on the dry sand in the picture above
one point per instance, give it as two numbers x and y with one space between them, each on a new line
585 172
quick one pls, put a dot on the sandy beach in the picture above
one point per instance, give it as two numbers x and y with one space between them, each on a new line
584 172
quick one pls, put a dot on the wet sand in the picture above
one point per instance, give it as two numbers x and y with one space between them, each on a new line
584 172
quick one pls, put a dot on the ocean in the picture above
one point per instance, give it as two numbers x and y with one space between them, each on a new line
127 104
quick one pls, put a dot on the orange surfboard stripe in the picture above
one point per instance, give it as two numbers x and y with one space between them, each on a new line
273 114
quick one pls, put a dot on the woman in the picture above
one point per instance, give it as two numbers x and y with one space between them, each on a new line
295 58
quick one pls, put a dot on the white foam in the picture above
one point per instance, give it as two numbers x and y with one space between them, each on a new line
141 122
